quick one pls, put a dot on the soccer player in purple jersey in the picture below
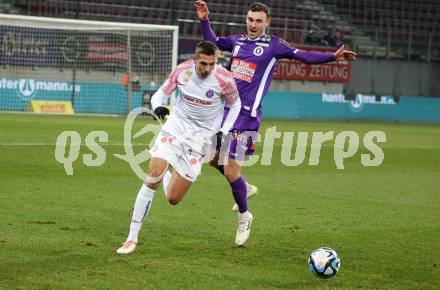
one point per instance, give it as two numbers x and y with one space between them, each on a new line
252 65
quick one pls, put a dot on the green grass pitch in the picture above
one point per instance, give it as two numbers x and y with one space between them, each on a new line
61 232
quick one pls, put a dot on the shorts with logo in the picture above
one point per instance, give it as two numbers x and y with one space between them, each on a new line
238 144
182 157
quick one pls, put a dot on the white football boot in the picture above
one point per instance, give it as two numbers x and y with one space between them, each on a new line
127 247
243 228
251 191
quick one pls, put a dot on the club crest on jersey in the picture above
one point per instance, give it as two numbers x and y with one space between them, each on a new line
258 51
210 93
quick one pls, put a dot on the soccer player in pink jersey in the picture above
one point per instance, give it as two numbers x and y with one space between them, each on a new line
204 90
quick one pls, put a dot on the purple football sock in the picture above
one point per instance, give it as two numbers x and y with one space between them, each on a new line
239 190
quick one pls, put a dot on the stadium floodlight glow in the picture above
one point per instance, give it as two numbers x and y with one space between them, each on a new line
108 66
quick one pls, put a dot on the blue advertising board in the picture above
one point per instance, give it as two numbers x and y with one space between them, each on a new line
326 106
111 98
27 46
94 98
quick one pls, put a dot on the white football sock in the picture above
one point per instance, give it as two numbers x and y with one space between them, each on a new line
166 180
140 211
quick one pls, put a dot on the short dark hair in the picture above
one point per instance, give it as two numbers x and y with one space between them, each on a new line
258 6
206 48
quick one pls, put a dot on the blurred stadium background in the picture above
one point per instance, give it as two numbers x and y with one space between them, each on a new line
395 78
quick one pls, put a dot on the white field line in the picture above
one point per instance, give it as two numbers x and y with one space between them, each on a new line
54 144
146 144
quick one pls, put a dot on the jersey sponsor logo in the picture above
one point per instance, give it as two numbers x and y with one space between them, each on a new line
210 93
265 38
258 51
243 70
196 101
262 44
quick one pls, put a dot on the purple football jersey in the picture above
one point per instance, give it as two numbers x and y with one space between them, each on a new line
252 66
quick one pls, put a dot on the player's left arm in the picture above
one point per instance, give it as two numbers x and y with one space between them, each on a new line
232 99
288 51
223 43
344 54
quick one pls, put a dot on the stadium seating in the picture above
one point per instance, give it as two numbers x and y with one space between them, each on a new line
394 22
380 28
8 8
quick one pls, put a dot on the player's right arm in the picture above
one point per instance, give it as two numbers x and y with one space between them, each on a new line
223 43
157 101
163 93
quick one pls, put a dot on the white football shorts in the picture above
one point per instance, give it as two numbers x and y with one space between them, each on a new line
183 158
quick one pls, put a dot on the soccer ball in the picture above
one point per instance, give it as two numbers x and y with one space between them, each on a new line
324 262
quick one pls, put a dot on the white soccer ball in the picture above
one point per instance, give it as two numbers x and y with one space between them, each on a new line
324 262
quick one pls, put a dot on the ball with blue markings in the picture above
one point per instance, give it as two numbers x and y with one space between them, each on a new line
324 262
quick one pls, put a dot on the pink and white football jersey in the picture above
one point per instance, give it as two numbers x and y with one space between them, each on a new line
198 111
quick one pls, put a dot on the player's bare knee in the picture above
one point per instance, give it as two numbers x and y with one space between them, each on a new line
172 199
232 172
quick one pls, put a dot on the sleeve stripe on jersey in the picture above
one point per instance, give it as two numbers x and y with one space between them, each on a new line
261 87
223 74
227 84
